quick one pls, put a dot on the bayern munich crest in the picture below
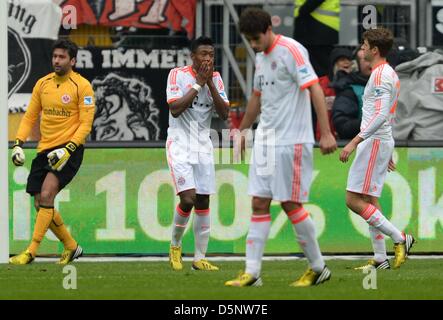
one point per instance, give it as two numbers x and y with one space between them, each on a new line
274 65
181 181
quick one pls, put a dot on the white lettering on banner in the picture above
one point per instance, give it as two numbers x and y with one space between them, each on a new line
122 8
148 208
34 19
168 59
430 208
156 12
242 214
401 199
122 58
23 208
114 185
401 205
19 13
63 196
316 213
148 205
84 60
106 63
21 211
138 58
144 59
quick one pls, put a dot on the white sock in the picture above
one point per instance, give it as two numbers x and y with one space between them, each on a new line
305 233
255 242
378 244
375 218
181 219
202 227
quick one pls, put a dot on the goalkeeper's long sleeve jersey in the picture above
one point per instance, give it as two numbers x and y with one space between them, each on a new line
66 105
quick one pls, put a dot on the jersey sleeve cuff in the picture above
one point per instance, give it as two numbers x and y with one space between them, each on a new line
310 83
361 135
172 100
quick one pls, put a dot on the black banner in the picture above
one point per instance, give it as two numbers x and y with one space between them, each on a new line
130 90
26 66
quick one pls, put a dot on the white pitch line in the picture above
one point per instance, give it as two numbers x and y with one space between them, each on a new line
222 258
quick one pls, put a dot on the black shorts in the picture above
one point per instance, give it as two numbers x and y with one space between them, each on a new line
40 168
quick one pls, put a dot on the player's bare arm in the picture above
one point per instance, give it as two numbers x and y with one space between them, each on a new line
251 113
178 106
327 140
349 148
221 107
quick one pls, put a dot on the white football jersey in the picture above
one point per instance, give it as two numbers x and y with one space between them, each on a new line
194 123
379 103
282 76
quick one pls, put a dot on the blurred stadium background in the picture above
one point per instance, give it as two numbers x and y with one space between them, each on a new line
122 200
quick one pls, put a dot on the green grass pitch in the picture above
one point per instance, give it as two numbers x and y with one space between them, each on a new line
417 279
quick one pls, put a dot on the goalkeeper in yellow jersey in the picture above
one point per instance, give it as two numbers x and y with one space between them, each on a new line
64 101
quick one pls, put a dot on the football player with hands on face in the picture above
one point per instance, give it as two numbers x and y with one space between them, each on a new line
194 93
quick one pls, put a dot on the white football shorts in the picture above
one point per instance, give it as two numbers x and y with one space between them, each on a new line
190 170
281 173
368 171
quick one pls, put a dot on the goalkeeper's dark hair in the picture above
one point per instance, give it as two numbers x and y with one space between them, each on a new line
254 20
201 41
68 45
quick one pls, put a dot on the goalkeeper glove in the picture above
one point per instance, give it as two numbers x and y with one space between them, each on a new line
58 158
18 156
